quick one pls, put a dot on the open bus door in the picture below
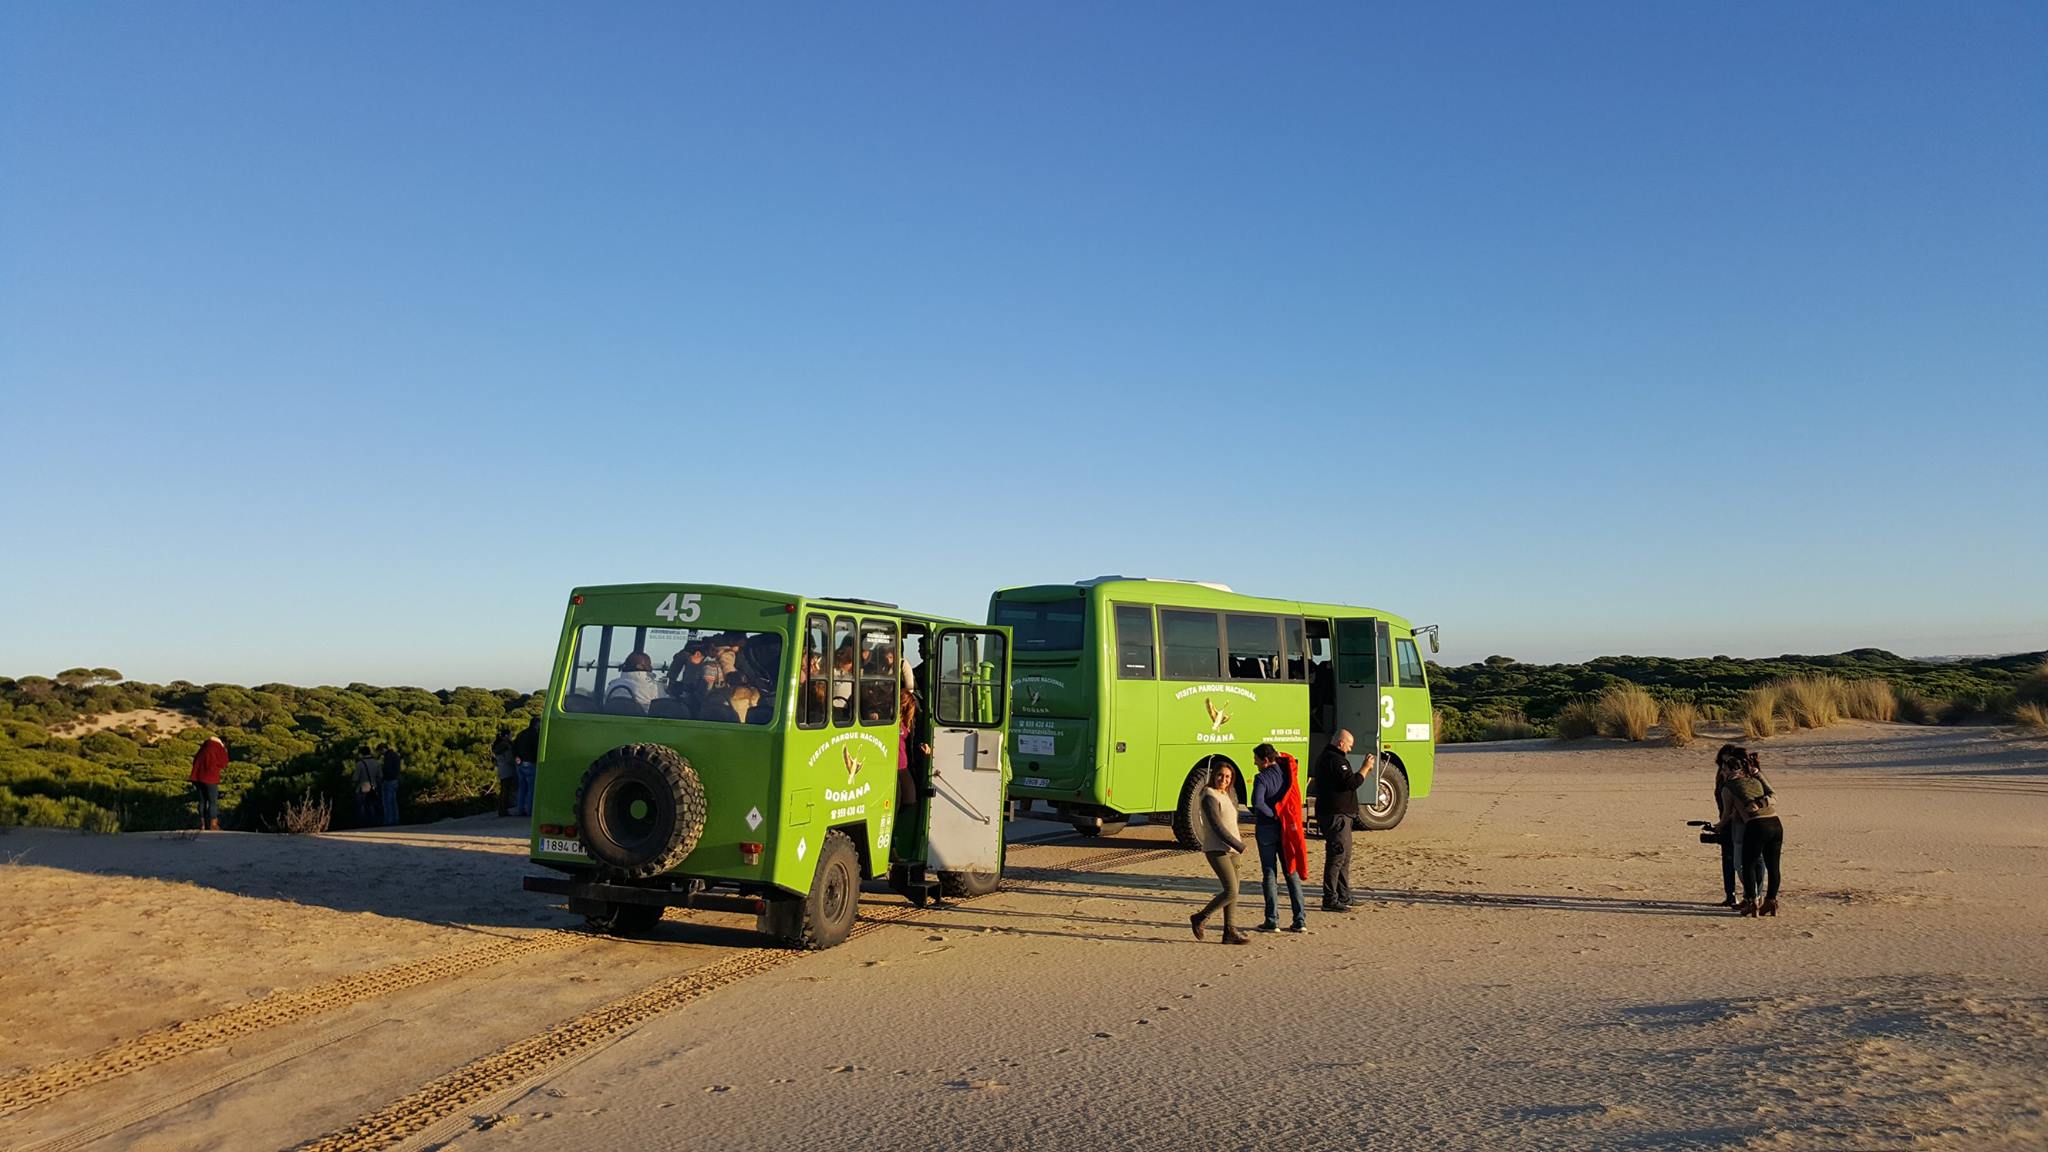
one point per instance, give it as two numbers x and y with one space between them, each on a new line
964 821
1362 705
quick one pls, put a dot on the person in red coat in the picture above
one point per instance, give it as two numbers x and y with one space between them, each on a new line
206 767
1283 849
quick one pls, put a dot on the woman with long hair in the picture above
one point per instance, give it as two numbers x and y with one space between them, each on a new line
1216 826
1763 839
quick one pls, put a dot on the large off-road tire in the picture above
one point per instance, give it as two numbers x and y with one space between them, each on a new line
1390 802
825 916
969 884
1187 814
622 919
639 810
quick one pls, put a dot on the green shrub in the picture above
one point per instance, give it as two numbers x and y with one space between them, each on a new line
1915 708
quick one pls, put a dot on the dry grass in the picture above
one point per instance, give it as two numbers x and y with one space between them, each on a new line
2030 715
1914 707
1577 720
1509 726
1680 718
1870 700
304 817
1812 701
1627 711
1760 711
2033 689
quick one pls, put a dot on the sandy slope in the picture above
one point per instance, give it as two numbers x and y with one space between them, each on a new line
1539 965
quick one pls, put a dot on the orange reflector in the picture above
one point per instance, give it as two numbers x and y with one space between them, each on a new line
575 599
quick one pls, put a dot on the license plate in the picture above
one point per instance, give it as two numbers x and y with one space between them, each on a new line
1035 782
1035 745
565 847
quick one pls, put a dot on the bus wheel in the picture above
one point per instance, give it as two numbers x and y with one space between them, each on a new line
1187 815
825 916
967 885
1099 826
620 919
639 810
1390 803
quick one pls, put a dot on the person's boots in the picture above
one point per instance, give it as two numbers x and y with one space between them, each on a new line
213 825
1769 907
1195 921
1746 908
1233 936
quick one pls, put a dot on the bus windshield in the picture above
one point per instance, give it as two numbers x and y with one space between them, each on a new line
1044 625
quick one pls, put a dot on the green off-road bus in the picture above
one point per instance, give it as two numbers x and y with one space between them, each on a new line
1124 689
736 749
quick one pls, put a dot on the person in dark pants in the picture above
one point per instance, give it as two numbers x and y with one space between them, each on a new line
526 763
1763 839
206 768
1726 763
369 778
1270 789
392 768
1336 785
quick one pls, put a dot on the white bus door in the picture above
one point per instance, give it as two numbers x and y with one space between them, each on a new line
964 831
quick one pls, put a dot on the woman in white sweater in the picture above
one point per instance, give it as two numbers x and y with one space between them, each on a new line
1216 826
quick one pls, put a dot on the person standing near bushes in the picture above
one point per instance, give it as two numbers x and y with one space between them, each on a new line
207 764
508 773
525 761
392 767
369 783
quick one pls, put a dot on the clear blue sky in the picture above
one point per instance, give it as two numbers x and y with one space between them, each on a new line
337 341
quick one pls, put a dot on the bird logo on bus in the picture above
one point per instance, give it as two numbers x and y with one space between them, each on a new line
1218 717
853 764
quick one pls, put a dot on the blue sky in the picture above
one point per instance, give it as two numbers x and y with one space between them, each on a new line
338 341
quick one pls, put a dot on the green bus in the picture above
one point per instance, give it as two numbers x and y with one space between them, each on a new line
1124 689
734 748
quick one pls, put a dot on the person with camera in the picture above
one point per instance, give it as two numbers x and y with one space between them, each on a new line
1726 829
1336 785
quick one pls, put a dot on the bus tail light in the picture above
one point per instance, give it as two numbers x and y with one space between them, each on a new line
565 831
750 853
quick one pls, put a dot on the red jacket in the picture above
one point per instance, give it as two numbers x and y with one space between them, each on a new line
1293 829
212 757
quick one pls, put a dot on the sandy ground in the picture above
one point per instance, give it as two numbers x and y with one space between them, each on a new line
1539 963
159 722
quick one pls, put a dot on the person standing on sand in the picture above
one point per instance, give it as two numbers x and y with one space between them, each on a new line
525 761
392 767
369 779
1336 787
508 773
1271 789
206 768
1763 838
1217 829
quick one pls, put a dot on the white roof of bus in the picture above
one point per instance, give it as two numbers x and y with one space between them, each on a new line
1152 579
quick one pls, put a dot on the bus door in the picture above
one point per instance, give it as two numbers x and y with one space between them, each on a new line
1362 704
964 825
1133 713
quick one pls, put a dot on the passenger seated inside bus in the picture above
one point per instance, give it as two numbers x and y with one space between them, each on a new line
842 684
635 687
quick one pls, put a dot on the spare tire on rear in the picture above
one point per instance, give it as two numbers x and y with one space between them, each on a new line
639 810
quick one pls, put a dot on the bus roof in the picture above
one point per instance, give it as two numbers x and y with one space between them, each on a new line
1190 594
869 607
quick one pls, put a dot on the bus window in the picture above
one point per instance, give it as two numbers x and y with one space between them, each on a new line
1254 647
1293 637
675 673
845 671
1133 642
970 680
814 696
1044 626
1411 665
1190 640
880 680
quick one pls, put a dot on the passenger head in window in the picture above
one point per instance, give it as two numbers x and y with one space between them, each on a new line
635 687
738 702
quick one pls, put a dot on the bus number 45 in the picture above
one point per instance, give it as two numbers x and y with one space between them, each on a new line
685 610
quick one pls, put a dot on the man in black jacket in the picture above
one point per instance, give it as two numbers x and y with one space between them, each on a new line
1336 786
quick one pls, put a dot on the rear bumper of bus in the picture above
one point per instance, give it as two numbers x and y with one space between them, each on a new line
589 896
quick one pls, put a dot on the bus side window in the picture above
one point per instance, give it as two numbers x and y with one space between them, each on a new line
1292 636
1411 665
1191 644
1254 647
845 671
880 680
814 693
1133 642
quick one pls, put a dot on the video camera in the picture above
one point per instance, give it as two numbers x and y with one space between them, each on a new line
1708 833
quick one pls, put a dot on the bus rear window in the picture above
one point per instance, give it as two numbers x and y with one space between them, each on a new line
678 673
1044 626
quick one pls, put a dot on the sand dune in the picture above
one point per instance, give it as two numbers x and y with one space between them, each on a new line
1538 964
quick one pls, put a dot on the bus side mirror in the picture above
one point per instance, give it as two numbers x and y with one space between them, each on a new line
1433 648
